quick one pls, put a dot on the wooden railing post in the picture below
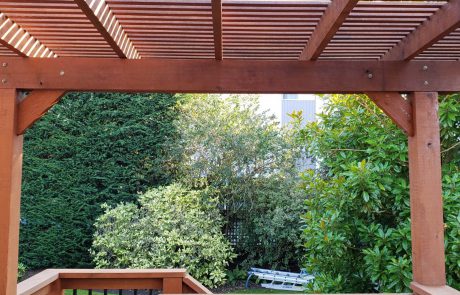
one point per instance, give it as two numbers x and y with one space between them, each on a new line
427 227
172 286
10 191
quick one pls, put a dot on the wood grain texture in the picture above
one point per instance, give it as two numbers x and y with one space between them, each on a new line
100 14
229 76
442 23
10 191
396 108
20 41
427 225
217 28
34 106
196 286
331 20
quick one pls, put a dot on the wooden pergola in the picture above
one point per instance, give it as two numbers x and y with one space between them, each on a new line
381 48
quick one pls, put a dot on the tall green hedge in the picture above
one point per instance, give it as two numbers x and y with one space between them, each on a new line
89 149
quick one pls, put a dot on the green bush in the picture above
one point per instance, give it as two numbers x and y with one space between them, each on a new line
173 227
89 149
357 227
21 270
230 145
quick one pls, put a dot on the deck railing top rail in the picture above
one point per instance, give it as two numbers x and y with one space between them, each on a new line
167 281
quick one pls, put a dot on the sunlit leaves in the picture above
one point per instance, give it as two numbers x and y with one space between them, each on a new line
357 223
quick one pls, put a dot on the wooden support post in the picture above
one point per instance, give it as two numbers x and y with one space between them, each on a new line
172 285
10 191
427 227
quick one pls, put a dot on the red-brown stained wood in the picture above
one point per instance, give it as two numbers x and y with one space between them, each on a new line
396 107
10 191
430 290
172 286
427 226
20 41
330 22
35 105
217 28
196 286
106 23
112 283
443 22
237 76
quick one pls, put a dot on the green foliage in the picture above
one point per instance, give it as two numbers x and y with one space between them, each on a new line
230 145
21 270
173 227
89 149
357 226
236 275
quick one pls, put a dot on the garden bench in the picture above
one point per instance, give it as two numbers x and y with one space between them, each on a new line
280 280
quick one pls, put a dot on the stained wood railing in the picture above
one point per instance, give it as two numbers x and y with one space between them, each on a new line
112 281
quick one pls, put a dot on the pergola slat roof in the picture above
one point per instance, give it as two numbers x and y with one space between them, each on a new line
233 29
380 48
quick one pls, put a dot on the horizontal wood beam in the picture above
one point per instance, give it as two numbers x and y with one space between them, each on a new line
101 16
20 41
330 23
396 108
34 106
228 76
443 22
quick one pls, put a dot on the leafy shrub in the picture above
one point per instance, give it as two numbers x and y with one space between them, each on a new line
89 149
357 227
173 227
230 145
21 270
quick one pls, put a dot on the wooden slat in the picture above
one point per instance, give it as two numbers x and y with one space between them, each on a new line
99 13
446 20
238 76
10 191
35 105
427 225
217 28
20 41
396 107
330 22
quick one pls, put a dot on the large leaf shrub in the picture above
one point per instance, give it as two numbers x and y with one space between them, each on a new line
173 227
87 150
357 220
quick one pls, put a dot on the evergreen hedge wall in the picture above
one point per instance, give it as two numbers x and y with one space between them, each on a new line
89 149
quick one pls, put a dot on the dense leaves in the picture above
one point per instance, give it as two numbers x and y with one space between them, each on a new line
357 226
89 149
230 145
173 227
